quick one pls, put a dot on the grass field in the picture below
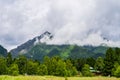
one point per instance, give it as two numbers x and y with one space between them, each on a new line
54 78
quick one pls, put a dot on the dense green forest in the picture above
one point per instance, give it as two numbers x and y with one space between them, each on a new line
38 51
57 66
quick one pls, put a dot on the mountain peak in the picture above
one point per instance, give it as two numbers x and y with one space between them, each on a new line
43 38
47 33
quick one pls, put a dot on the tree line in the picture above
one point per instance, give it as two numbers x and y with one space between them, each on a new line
49 66
107 66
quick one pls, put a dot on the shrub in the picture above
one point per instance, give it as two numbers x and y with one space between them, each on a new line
86 70
42 70
13 70
117 72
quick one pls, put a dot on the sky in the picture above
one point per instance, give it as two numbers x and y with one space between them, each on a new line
81 22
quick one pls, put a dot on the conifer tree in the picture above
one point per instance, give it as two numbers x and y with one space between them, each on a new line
109 62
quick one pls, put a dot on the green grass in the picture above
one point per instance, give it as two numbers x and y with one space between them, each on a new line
54 78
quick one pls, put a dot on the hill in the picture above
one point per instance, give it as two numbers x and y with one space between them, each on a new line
3 51
37 48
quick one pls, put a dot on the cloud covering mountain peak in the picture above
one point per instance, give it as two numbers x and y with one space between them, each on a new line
73 21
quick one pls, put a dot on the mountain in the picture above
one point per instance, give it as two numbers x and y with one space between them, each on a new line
3 51
24 48
37 49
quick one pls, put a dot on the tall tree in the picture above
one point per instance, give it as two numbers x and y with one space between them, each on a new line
71 68
32 67
9 59
109 62
47 62
90 61
99 64
42 70
86 70
13 70
3 66
79 63
22 64
116 65
117 72
61 69
117 55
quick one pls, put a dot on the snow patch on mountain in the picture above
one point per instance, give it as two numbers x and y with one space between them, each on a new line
44 38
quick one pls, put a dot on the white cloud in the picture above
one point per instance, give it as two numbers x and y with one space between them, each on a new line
73 21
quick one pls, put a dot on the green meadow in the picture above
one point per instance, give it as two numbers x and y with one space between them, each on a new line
55 78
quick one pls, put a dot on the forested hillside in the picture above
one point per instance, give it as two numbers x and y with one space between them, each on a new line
55 65
38 51
37 48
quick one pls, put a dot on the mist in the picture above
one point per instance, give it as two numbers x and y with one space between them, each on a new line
81 22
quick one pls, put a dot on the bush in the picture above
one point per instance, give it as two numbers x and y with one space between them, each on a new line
86 70
67 73
74 71
3 66
42 70
32 67
117 72
116 65
13 70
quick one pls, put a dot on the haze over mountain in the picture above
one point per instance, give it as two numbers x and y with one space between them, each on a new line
82 22
24 48
41 46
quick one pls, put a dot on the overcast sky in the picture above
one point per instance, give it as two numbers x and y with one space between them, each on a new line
71 21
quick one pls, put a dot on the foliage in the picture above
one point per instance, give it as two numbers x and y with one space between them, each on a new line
57 66
86 70
42 70
13 70
117 55
37 52
79 63
116 65
22 64
3 66
9 59
117 72
71 68
90 61
109 62
61 69
32 67
99 64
